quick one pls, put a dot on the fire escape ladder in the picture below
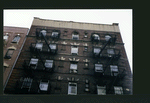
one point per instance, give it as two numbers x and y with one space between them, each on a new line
105 46
46 41
40 57
108 63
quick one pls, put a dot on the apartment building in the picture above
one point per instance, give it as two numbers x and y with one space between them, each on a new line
13 39
71 58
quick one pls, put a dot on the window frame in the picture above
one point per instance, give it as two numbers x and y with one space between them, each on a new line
41 46
10 55
114 70
53 34
73 70
99 92
16 41
107 37
76 35
118 90
34 60
4 37
70 85
47 62
100 66
73 47
25 82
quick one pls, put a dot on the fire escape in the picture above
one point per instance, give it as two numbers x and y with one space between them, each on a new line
38 64
115 76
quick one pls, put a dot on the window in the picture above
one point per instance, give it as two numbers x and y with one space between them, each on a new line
43 32
55 34
44 85
49 64
5 37
97 51
33 63
72 88
98 68
27 83
114 70
75 36
53 46
118 90
107 37
96 37
73 68
74 50
85 35
39 46
110 51
9 53
16 39
101 90
85 48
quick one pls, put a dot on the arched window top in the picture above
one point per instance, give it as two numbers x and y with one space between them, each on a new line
12 47
107 37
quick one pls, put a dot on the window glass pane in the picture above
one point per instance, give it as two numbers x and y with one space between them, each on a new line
110 51
96 37
55 34
72 89
5 37
52 46
43 32
75 37
10 52
97 50
39 45
74 50
16 39
43 86
107 37
49 63
73 66
114 68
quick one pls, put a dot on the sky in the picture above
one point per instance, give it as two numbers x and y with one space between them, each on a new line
24 18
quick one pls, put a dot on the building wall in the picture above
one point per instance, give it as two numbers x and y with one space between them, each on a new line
62 67
12 32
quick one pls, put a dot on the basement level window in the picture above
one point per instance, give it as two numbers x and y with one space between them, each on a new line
118 90
16 39
72 88
43 86
27 82
101 90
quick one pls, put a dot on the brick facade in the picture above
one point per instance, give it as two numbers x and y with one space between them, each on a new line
62 67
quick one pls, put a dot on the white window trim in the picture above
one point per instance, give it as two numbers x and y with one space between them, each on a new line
101 90
70 87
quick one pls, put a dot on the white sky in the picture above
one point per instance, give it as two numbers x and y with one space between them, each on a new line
24 18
